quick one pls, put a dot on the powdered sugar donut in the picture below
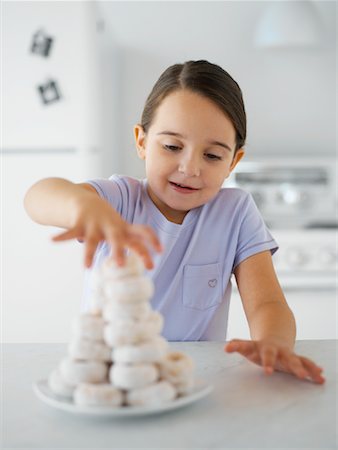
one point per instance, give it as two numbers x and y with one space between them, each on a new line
78 371
154 394
114 311
129 290
133 266
133 376
88 326
87 349
176 367
58 385
149 351
123 332
87 394
96 303
95 281
186 386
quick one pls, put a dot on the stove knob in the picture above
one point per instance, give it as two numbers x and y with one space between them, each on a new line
291 196
296 257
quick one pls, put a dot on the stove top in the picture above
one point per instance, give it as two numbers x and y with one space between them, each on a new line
291 193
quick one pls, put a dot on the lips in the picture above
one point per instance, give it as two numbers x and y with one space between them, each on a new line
183 186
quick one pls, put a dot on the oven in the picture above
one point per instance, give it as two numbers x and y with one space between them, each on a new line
298 200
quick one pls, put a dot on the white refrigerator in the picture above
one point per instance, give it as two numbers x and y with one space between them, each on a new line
51 126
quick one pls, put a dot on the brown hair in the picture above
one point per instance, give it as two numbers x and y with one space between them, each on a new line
206 79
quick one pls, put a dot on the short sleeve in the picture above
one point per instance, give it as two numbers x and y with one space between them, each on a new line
110 190
254 236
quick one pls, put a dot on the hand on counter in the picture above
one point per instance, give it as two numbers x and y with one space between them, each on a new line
274 356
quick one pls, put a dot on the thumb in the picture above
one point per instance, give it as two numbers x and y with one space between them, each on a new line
66 235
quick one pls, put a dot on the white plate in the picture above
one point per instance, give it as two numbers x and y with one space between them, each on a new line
44 393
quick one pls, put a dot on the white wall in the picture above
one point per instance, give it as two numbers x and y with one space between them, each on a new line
289 93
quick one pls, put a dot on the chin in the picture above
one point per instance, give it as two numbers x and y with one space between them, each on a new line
184 208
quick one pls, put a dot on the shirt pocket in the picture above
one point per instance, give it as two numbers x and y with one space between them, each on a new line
202 286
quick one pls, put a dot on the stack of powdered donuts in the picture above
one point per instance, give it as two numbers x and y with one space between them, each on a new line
117 356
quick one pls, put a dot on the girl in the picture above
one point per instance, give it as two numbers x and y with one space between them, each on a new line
191 233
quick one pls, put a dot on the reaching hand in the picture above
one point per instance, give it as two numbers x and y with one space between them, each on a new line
95 221
272 355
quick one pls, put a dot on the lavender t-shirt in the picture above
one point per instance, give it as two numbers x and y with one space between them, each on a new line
192 274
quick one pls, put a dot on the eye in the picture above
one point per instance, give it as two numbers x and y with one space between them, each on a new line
212 157
171 148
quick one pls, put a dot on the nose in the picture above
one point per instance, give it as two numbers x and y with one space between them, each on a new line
189 165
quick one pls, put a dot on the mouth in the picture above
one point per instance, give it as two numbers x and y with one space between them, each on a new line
182 186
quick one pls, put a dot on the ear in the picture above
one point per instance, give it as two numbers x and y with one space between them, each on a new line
140 140
238 156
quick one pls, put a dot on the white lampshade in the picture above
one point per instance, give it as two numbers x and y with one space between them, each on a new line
288 23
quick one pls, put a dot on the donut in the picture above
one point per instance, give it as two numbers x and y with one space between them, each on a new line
129 289
133 376
123 332
133 266
88 326
108 272
113 311
75 371
58 386
186 386
96 303
95 281
176 367
149 351
154 394
88 394
89 350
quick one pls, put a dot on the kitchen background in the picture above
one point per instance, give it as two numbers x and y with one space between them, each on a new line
74 79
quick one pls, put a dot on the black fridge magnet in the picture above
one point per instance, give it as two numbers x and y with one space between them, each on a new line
49 92
41 43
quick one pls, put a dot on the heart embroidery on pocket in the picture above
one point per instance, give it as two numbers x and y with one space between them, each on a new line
212 283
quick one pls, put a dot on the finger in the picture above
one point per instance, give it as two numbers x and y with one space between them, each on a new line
147 233
295 366
132 242
248 349
90 248
315 372
268 354
138 247
117 252
239 345
232 345
66 235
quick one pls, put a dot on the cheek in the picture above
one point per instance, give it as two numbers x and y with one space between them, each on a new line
216 178
161 163
155 168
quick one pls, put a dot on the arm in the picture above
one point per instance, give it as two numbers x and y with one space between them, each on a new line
265 307
271 322
86 216
53 201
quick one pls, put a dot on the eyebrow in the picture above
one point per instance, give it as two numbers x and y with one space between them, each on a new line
221 144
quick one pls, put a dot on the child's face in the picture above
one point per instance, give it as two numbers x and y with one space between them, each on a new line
183 150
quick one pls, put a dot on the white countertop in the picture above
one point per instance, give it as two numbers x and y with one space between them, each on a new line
245 410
